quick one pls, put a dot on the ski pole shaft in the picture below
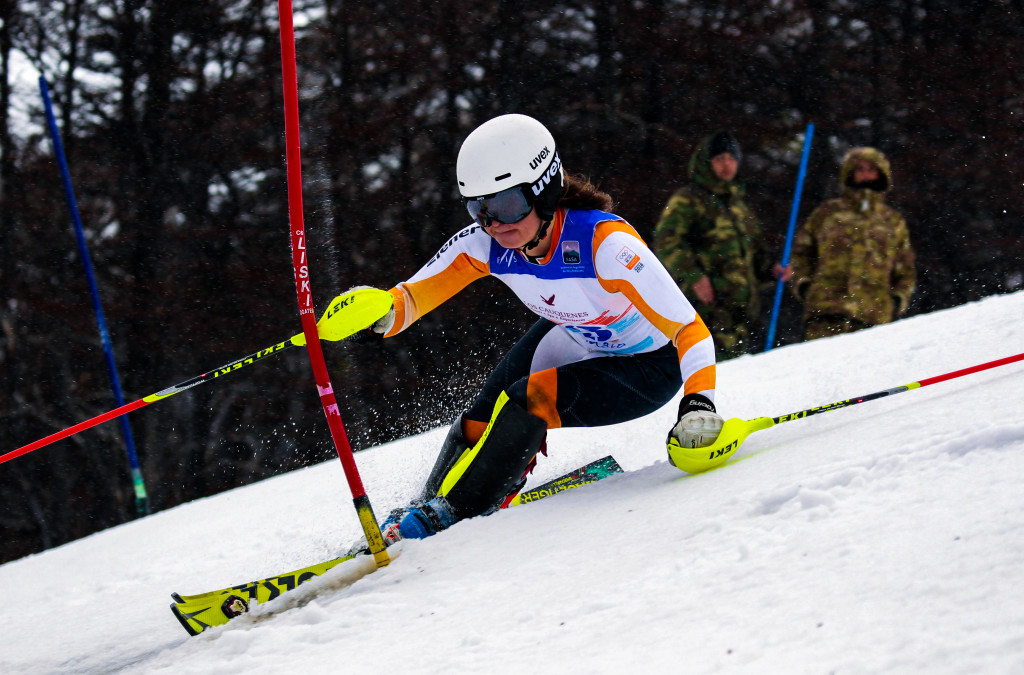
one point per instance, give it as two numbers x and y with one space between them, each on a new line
736 430
347 314
794 211
897 390
135 405
303 289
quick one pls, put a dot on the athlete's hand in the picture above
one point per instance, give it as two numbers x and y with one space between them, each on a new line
699 424
375 331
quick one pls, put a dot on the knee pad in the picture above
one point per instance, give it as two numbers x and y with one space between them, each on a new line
481 477
454 446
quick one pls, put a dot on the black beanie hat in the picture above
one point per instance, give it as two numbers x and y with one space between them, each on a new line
723 141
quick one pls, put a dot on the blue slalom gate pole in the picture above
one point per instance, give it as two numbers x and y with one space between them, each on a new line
141 500
780 284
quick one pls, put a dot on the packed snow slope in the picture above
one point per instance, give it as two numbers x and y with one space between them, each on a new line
882 538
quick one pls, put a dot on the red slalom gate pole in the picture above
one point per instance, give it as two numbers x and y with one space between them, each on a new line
303 289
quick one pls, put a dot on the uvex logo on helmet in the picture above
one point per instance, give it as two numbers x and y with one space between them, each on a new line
550 173
535 162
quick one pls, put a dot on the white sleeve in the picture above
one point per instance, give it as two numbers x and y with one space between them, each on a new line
625 264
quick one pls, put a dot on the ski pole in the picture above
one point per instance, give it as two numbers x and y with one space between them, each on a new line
348 313
735 430
141 499
304 291
780 284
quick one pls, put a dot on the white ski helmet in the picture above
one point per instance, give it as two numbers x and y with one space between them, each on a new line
510 154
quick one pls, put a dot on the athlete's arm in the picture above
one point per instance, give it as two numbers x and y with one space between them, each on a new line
462 260
625 265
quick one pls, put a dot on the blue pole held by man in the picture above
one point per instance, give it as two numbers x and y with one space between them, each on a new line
787 249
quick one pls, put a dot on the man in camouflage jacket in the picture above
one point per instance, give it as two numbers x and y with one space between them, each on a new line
710 241
853 266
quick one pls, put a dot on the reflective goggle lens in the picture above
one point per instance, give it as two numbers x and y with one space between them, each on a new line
508 206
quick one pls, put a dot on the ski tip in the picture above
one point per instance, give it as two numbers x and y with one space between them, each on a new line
177 598
184 622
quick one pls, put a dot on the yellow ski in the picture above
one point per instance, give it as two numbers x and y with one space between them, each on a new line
216 608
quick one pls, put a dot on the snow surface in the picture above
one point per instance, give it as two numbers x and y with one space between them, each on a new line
882 538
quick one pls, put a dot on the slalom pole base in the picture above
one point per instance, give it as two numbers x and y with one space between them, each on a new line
374 538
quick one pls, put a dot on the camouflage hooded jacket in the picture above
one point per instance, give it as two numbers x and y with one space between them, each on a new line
707 229
853 257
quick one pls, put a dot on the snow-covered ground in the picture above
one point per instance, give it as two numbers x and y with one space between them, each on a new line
883 538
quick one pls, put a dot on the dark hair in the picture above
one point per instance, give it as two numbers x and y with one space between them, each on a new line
580 193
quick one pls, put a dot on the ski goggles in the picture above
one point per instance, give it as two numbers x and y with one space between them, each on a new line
508 206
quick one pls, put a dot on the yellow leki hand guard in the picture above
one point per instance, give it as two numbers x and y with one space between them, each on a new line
350 313
698 460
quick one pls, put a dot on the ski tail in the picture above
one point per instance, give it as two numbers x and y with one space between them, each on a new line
585 475
198 612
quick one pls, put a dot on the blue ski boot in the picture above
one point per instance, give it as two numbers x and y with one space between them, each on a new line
389 532
389 528
423 520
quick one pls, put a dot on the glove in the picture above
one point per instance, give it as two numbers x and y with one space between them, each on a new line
698 425
375 331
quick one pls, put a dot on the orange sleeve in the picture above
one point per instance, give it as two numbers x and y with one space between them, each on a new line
425 292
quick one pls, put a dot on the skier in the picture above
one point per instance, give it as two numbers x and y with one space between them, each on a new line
616 338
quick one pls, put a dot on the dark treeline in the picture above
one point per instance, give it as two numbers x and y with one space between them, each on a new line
172 121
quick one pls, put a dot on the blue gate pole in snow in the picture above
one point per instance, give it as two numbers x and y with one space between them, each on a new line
780 284
141 500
